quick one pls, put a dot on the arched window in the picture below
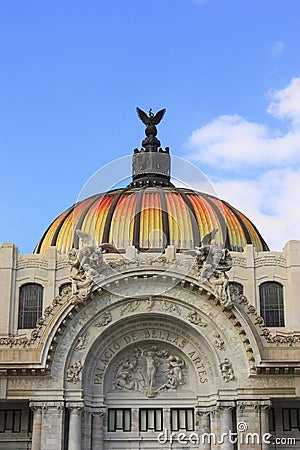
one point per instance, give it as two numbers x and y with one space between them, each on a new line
236 287
271 303
30 305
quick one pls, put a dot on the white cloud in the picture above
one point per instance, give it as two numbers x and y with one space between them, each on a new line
286 102
270 201
277 48
235 146
231 140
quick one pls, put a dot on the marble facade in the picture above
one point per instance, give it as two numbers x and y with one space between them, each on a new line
151 335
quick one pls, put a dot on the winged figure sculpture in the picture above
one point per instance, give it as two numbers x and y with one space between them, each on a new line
151 119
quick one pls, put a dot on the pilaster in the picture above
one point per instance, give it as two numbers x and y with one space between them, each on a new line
226 425
292 252
51 289
74 439
215 427
97 429
52 426
203 427
37 409
8 264
252 424
250 290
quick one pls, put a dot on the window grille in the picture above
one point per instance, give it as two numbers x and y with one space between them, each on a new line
151 419
182 419
119 419
10 420
271 303
272 425
291 419
30 305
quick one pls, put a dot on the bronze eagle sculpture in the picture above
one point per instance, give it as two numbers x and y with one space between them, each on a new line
150 119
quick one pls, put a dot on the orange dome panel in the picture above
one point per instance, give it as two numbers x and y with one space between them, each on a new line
151 218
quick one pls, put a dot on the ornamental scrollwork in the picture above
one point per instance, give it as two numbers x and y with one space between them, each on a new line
170 307
104 319
29 341
195 318
130 307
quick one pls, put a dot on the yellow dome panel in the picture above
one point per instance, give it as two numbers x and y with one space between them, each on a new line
150 218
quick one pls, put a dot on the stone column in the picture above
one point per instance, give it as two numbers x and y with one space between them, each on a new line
135 421
97 429
264 421
166 419
74 440
226 425
37 425
52 426
86 420
252 423
203 428
215 428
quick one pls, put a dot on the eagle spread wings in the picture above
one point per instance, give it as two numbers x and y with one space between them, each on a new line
150 119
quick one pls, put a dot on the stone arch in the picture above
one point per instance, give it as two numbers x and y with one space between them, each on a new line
214 333
195 308
162 331
59 316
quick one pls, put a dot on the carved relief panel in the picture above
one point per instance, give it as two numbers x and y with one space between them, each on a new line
149 368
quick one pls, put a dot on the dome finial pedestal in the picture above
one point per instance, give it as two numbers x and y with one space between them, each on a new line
151 164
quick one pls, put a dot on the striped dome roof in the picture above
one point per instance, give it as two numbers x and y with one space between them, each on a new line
150 218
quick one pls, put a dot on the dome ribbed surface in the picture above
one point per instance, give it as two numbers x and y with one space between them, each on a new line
151 218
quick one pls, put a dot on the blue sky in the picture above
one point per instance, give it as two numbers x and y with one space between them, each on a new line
73 72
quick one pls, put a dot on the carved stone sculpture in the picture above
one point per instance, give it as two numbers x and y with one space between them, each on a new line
212 263
149 370
227 370
89 264
74 371
82 341
218 342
